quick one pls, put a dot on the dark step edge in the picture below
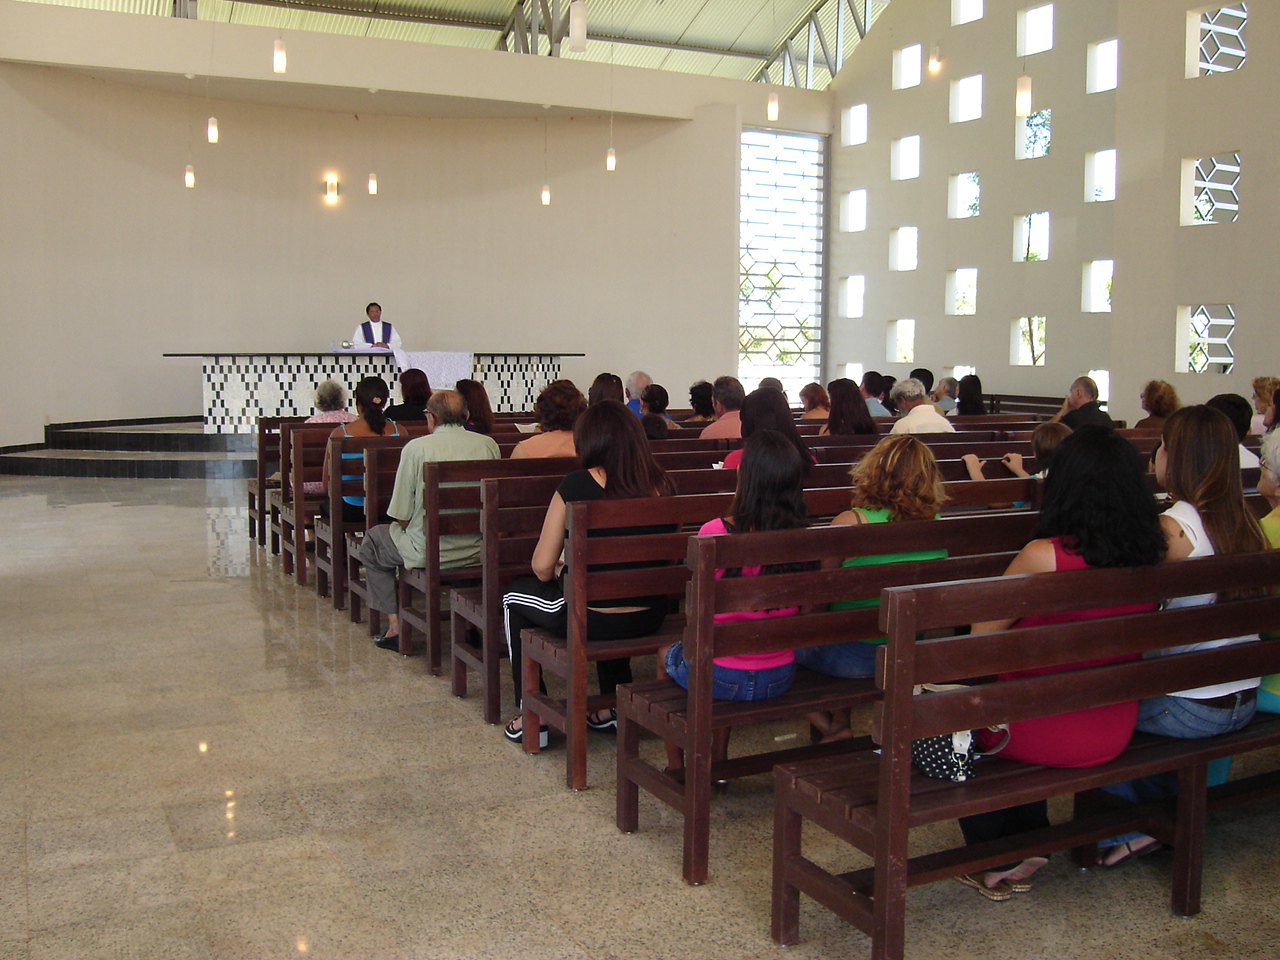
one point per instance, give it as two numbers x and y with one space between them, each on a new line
151 442
17 465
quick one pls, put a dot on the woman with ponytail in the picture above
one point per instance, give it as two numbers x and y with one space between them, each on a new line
371 402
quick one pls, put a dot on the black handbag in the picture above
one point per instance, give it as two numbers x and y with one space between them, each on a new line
949 756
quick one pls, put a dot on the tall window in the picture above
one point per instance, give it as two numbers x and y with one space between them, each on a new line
780 307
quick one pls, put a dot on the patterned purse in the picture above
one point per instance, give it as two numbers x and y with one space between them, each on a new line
949 756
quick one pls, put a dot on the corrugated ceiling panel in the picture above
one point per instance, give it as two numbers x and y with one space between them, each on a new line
150 8
470 37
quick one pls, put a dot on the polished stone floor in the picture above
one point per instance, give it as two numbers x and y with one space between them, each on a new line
200 760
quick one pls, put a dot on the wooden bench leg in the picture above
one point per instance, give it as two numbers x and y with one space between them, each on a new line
575 726
627 810
457 637
300 550
784 924
494 645
1188 842
531 673
697 807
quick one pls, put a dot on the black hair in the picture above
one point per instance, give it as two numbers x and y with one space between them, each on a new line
655 426
1237 409
700 399
1096 500
770 491
766 409
371 401
848 413
608 435
606 386
925 376
655 397
969 400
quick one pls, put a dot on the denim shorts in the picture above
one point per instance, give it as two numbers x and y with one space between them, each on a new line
730 683
853 659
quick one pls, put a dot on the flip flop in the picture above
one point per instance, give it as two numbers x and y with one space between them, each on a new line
997 894
1131 853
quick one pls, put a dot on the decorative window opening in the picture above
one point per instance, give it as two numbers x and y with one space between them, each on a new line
853 211
1100 176
1095 295
906 66
1103 66
966 99
782 248
1027 342
962 292
1204 335
904 158
964 191
1031 237
853 292
1103 379
1210 192
1216 40
853 126
965 11
903 248
1035 30
1034 134
901 341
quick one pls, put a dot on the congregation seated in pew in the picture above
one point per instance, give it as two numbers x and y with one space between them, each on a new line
615 463
371 398
402 543
558 407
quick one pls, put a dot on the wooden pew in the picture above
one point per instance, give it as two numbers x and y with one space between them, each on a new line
511 513
331 532
295 509
977 546
872 801
268 447
570 656
451 495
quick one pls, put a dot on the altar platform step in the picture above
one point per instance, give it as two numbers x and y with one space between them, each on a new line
177 449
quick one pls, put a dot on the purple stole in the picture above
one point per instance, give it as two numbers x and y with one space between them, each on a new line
367 327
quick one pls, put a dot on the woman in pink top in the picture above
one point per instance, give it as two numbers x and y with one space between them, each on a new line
769 496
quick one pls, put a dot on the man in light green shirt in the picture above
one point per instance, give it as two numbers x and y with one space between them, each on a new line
403 543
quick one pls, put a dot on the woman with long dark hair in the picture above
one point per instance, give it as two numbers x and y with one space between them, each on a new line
371 398
700 401
616 464
479 413
766 409
1198 465
1096 512
969 402
415 391
849 414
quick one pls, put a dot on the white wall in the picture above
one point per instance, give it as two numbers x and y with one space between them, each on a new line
1154 119
108 261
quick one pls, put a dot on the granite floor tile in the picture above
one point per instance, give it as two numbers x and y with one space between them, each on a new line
107 891
237 819
159 933
130 835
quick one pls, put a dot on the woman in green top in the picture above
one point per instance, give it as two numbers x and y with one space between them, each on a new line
898 479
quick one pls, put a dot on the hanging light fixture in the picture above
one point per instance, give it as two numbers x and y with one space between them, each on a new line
935 59
189 178
279 62
1022 99
578 27
772 112
546 194
213 129
331 188
373 184
611 160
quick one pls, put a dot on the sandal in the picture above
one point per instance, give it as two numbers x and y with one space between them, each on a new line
517 736
603 720
1130 852
997 894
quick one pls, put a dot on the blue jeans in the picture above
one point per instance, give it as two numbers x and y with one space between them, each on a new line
1182 719
731 683
853 659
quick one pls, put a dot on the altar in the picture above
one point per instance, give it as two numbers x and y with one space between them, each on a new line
238 388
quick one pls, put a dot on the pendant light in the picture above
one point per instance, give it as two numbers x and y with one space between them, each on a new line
772 111
213 129
279 61
1022 99
189 178
578 27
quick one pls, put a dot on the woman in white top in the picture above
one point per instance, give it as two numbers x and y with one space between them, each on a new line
1198 465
